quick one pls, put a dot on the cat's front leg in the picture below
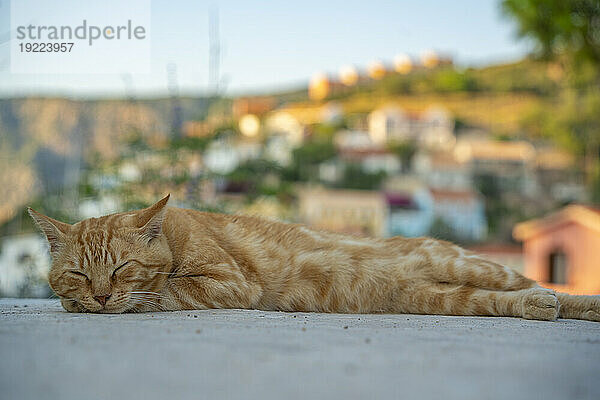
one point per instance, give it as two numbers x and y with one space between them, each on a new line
72 306
209 285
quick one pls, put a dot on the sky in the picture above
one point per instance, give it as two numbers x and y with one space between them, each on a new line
269 45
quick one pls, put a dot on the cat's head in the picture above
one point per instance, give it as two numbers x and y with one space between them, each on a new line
109 264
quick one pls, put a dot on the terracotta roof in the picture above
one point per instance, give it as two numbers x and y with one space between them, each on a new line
439 194
361 153
497 248
494 150
445 160
588 216
554 159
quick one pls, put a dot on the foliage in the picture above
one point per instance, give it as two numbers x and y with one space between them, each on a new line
442 230
306 158
559 26
495 209
135 141
567 32
451 80
356 178
253 171
258 177
405 151
324 132
595 184
191 143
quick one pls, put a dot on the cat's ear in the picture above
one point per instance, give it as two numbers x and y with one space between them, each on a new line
54 230
150 219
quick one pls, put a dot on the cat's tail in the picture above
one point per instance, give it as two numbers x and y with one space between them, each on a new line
579 307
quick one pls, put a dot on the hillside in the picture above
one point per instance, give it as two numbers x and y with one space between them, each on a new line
497 98
43 140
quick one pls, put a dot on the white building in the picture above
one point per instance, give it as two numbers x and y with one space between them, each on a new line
463 211
512 163
414 208
390 124
279 149
440 170
221 157
434 128
24 266
354 140
96 207
411 212
285 124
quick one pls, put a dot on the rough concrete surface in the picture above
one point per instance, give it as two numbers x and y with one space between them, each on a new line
46 353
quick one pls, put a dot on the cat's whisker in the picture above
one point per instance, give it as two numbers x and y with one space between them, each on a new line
137 298
151 306
144 292
147 296
143 297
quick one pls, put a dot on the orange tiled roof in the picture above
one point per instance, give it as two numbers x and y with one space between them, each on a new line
497 248
439 194
588 216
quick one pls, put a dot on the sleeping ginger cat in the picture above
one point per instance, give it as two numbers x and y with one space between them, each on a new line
162 258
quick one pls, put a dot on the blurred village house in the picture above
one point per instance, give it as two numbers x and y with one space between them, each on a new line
433 128
346 211
561 249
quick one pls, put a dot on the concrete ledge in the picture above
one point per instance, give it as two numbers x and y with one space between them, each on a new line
50 354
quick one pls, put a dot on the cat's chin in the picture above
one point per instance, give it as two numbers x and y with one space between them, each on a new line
72 305
110 311
77 307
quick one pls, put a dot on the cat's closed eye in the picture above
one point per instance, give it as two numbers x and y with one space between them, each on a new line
119 267
78 273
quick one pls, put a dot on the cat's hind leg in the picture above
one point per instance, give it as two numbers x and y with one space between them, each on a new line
423 297
452 264
579 307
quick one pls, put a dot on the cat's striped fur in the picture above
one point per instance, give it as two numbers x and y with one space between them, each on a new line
163 258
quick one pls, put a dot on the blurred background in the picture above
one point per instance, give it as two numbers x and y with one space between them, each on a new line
472 121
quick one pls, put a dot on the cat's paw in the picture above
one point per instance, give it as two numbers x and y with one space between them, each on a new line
541 304
72 305
591 315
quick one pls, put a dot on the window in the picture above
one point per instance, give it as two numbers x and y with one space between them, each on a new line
557 271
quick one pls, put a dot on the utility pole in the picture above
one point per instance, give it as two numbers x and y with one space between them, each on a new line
176 112
214 52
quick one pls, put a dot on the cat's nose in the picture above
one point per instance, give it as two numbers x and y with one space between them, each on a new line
102 299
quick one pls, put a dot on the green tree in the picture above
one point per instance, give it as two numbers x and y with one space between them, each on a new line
567 33
440 229
405 151
559 27
306 158
257 177
356 178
